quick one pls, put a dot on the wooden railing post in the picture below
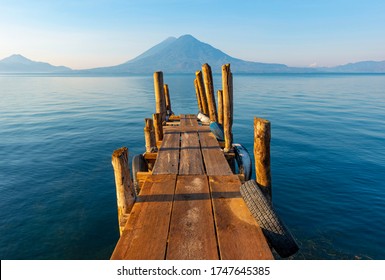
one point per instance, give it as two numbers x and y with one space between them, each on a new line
157 117
149 136
167 99
199 100
125 193
202 92
262 135
160 103
220 107
209 89
227 87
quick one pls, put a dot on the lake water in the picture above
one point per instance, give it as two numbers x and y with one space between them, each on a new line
57 134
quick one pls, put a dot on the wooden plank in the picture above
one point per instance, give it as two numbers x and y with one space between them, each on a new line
239 235
184 121
174 118
145 234
167 161
150 155
167 129
189 121
214 160
192 232
191 162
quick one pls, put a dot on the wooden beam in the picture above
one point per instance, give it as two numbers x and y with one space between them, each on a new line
167 99
220 107
157 118
227 85
199 100
262 135
149 135
160 103
209 89
202 92
125 194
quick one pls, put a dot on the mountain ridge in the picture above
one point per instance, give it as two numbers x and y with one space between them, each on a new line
17 63
185 54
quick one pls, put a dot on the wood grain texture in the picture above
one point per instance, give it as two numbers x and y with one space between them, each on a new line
146 231
192 232
160 102
125 194
239 235
209 89
220 106
213 157
190 155
202 92
158 128
168 156
262 135
227 86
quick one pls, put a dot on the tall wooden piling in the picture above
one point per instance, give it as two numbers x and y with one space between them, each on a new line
199 101
125 193
209 89
262 135
167 99
158 128
227 87
149 135
202 92
220 106
160 103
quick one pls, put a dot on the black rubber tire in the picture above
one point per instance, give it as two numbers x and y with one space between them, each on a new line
273 228
139 163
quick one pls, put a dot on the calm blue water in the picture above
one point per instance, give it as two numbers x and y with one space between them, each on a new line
57 135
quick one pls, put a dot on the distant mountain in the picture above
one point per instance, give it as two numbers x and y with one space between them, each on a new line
19 64
358 67
186 54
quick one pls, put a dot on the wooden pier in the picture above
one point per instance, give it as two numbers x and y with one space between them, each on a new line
189 205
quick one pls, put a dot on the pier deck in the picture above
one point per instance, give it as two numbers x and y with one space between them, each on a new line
190 206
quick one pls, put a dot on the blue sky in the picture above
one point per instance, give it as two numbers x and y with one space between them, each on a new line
84 33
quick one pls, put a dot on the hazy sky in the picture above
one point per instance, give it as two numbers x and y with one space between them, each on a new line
90 33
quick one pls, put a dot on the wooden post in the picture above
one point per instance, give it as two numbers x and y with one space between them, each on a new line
209 88
199 101
125 193
220 107
227 85
159 94
202 92
157 117
149 136
262 135
167 99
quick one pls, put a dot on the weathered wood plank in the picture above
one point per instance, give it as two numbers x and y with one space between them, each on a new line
168 156
150 155
184 121
214 160
188 121
168 129
192 232
239 235
146 231
191 162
